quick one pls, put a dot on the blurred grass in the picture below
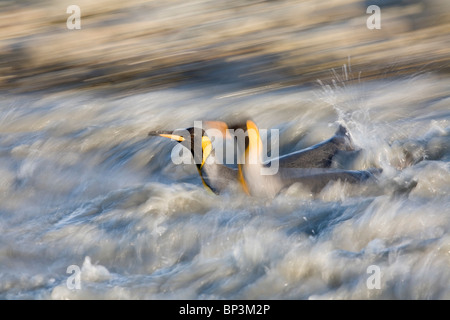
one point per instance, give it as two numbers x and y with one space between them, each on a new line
136 44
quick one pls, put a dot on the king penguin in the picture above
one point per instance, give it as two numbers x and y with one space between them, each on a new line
310 167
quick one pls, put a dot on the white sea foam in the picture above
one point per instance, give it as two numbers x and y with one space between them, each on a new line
80 178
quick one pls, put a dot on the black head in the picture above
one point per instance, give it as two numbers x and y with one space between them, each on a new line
191 138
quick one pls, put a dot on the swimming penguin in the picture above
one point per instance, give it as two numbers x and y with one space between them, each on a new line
309 167
215 176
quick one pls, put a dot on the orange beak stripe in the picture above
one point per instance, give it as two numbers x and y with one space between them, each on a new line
172 136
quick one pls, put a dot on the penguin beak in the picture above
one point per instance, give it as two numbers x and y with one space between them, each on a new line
167 134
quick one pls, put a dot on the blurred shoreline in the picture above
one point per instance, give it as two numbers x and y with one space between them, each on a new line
144 45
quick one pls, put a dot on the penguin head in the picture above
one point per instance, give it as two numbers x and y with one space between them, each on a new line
194 139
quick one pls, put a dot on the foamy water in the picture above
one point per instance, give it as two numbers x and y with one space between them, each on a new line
81 184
